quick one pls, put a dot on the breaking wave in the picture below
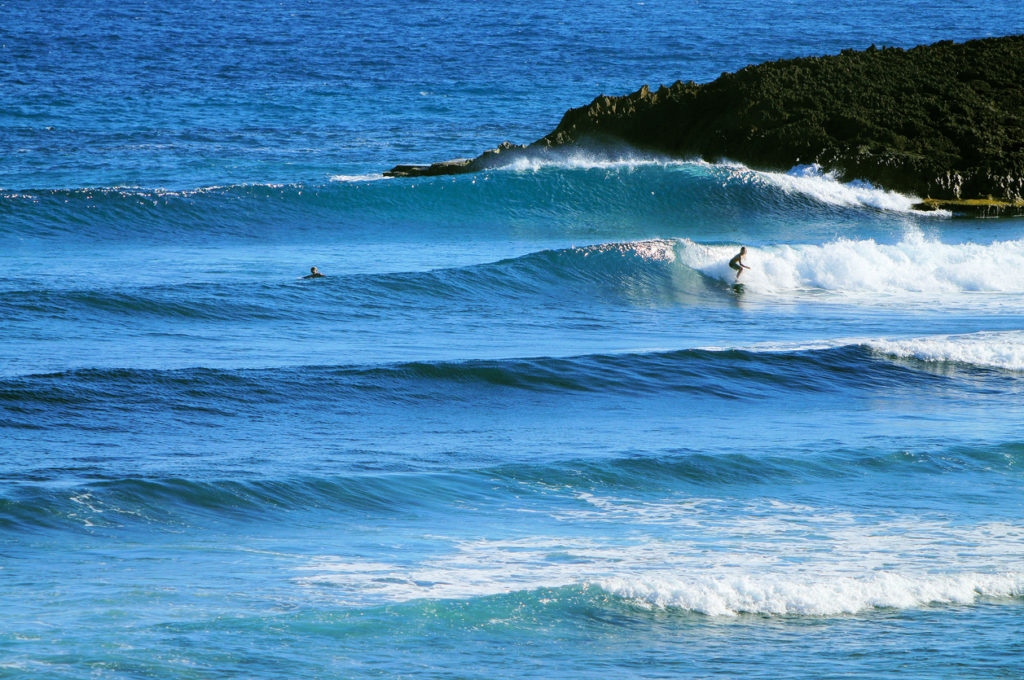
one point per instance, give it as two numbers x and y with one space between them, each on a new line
812 596
1003 350
914 266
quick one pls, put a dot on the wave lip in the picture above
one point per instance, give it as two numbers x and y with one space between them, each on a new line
59 399
813 596
642 271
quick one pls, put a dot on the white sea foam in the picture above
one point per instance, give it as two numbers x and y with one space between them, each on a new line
770 558
807 595
915 265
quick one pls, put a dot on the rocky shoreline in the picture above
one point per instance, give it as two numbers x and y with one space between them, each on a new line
942 121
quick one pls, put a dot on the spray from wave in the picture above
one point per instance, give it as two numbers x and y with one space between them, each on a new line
591 159
825 187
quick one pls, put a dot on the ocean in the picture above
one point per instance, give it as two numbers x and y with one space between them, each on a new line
525 426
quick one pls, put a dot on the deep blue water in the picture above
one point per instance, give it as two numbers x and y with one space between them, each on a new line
526 426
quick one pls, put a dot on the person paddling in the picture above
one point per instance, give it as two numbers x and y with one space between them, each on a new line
737 263
314 273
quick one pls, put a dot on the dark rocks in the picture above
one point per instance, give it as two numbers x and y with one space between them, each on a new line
455 167
488 159
944 121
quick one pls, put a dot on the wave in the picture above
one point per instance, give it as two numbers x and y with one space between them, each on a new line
984 349
680 571
972 363
571 195
811 181
915 267
803 181
638 271
1002 350
125 213
367 177
358 482
609 601
831 595
655 271
214 301
706 373
176 502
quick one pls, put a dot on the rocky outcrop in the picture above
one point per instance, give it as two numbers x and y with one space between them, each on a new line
488 159
944 121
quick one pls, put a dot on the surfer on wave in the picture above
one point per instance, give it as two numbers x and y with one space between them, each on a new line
737 262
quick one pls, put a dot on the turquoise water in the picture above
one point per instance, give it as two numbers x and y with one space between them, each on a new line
526 426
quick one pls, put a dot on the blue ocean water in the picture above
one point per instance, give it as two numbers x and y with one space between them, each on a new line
526 425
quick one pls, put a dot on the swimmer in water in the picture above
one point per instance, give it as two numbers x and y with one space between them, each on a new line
314 273
737 263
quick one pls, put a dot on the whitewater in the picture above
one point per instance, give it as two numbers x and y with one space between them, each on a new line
528 424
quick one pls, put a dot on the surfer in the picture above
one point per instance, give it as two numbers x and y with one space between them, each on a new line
737 263
314 273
